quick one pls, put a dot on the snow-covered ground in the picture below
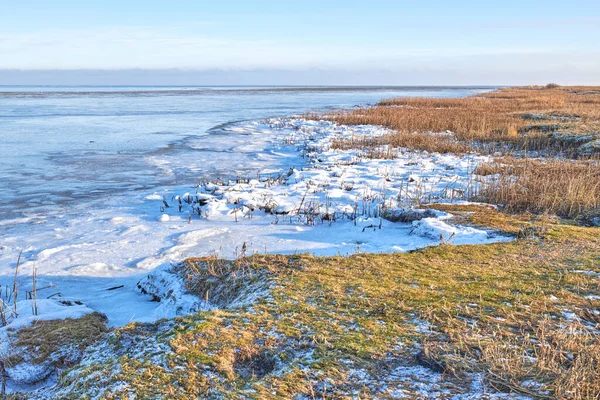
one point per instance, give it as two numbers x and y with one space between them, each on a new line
317 200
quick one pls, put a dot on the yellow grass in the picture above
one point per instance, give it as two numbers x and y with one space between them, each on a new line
566 188
498 310
44 339
553 122
520 117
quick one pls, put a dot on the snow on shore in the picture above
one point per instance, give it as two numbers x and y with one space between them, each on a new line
319 200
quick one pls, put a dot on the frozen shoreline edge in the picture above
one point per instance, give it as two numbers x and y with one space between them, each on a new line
338 184
281 198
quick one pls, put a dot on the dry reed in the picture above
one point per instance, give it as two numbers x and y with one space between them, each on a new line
555 122
543 361
521 118
566 188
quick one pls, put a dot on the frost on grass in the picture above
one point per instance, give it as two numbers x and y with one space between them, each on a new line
97 375
447 322
207 283
32 352
167 286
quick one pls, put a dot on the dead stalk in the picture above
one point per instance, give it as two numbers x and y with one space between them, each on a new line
15 286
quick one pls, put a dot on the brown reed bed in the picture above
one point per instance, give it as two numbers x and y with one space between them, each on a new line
548 138
567 188
558 120
382 147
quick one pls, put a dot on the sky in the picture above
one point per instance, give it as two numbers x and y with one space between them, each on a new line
299 42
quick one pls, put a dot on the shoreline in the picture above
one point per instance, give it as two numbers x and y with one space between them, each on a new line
232 212
446 291
233 88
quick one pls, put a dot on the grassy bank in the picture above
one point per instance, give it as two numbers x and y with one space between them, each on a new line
519 317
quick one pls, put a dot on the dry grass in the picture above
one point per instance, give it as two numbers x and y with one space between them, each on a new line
543 361
565 188
382 147
45 338
520 118
555 122
221 282
486 307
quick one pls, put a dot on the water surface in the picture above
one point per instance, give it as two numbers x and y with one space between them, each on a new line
61 145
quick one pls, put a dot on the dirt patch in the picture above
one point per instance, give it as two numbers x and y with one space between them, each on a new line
254 367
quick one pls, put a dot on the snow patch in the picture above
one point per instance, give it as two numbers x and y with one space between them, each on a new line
168 288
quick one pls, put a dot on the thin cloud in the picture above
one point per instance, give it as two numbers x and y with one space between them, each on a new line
146 47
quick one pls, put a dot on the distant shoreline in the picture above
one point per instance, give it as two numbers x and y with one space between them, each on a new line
192 90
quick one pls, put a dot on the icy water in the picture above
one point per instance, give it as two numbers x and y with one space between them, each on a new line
62 144
83 171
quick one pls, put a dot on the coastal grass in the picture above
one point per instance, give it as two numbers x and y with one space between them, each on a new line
383 147
521 118
518 317
546 141
567 188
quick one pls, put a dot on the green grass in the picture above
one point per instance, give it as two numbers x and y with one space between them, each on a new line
327 316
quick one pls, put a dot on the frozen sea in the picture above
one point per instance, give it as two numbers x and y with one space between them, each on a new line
81 169
65 145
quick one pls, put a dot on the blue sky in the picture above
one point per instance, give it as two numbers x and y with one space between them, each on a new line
501 41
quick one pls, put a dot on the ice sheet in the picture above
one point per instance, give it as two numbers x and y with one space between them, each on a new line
317 200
